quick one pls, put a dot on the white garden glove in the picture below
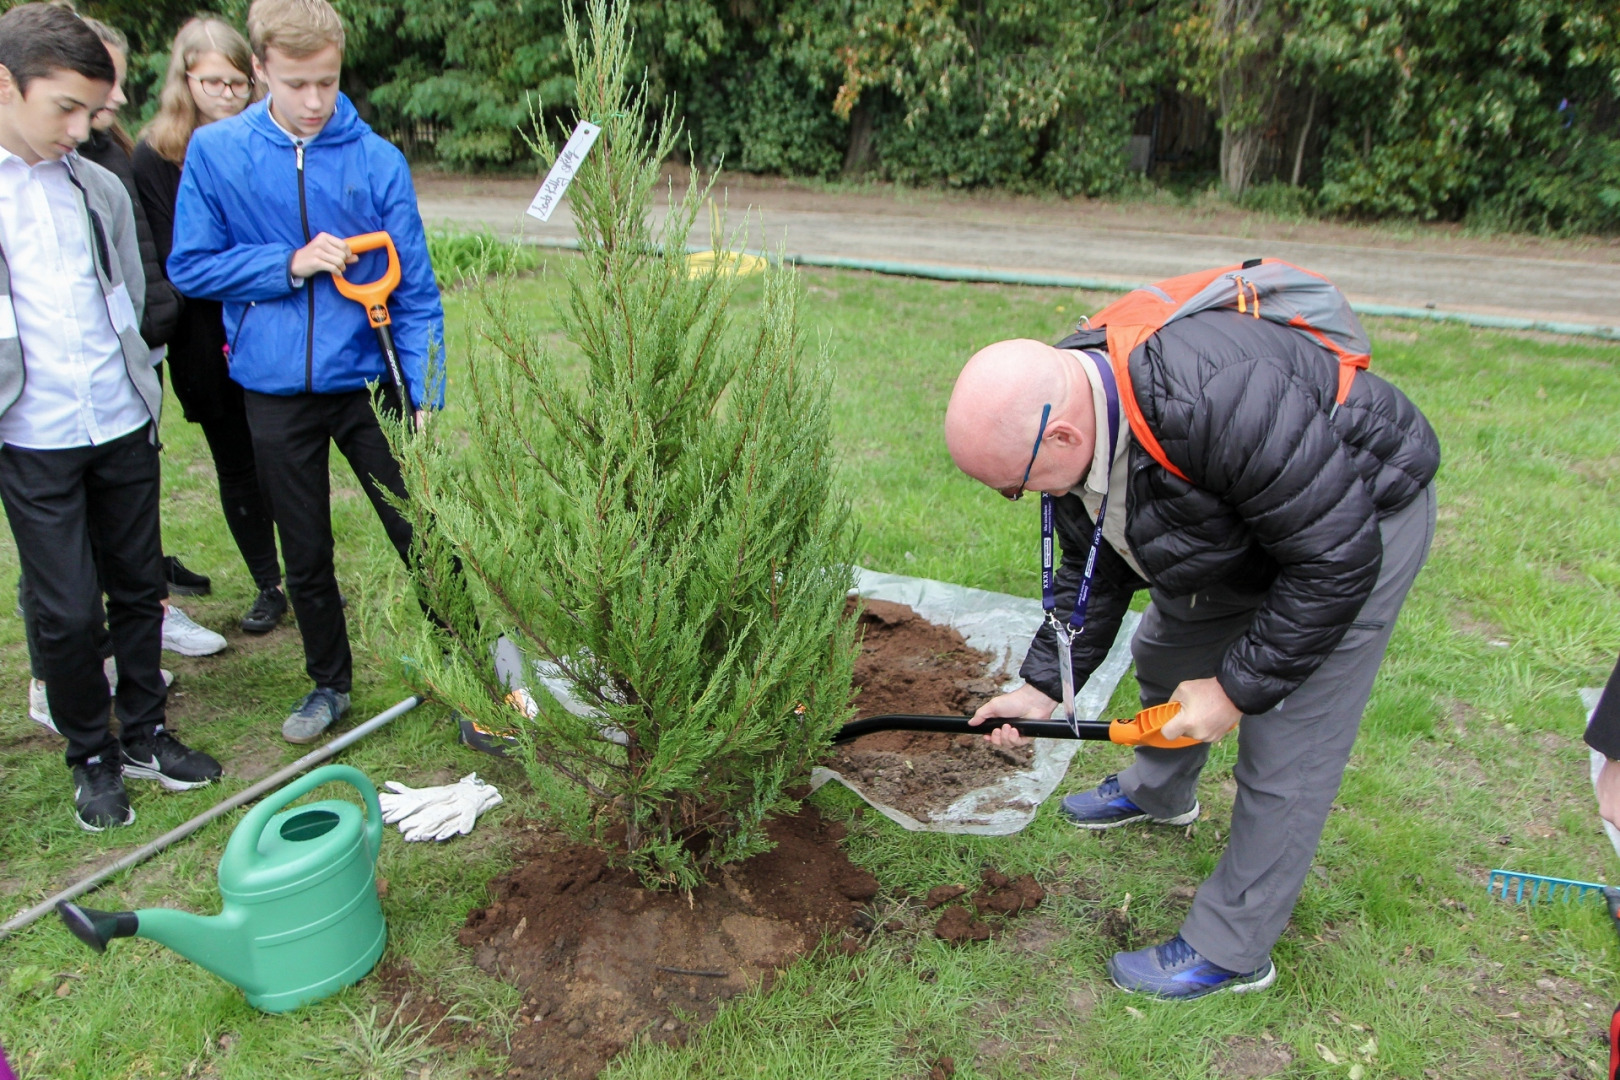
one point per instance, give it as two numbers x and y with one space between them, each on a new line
437 813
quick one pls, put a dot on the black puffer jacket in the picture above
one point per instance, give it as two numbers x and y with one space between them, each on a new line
1285 498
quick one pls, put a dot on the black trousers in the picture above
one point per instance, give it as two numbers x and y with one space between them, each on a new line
86 520
290 441
247 509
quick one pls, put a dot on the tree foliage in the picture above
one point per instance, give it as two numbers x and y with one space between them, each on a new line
658 524
1505 112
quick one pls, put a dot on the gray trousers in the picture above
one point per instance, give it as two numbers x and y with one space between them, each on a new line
1290 760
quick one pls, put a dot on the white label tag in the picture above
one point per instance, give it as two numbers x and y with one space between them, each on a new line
8 318
562 173
121 309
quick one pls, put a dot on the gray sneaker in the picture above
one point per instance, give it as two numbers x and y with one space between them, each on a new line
319 710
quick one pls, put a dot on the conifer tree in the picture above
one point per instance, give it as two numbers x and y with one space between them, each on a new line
651 513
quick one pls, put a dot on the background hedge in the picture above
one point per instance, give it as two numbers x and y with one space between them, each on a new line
1499 112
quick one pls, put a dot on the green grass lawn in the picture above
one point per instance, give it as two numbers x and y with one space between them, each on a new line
1396 963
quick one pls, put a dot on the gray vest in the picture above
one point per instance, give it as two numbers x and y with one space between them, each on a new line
116 255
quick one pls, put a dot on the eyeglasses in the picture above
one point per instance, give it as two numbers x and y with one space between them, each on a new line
1016 493
241 88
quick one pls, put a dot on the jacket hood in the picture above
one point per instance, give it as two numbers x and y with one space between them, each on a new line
344 126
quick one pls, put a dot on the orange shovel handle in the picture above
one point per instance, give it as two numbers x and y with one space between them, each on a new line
372 295
1143 728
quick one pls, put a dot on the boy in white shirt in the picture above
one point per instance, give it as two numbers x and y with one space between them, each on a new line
79 404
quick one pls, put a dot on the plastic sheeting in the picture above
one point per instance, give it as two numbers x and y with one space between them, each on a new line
1002 626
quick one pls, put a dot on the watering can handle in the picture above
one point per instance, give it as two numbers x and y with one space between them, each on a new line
372 295
247 834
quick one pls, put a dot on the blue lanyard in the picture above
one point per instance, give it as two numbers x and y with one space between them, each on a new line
1077 618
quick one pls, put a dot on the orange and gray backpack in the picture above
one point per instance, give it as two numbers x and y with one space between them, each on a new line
1265 288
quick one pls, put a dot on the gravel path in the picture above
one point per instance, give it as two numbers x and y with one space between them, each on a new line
1437 266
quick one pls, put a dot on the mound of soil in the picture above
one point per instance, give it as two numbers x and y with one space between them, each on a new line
910 665
601 960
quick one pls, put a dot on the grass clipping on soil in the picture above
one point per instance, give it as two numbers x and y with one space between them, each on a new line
910 665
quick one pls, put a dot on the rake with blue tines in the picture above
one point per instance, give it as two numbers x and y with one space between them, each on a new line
1538 888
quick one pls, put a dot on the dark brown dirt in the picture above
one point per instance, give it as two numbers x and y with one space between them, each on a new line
1001 898
1002 895
910 665
601 960
958 926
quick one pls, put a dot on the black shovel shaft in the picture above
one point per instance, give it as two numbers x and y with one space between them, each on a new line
385 339
1090 730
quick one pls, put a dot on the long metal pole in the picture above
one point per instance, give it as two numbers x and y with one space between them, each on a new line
180 832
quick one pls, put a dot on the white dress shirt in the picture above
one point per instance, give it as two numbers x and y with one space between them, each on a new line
76 391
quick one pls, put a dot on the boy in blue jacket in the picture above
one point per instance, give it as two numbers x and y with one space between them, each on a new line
264 200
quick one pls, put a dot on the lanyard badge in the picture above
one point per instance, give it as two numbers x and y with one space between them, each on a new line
1066 634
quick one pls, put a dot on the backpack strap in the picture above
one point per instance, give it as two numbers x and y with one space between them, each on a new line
1121 342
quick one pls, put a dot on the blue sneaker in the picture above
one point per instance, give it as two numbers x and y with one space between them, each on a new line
1106 807
321 708
1175 972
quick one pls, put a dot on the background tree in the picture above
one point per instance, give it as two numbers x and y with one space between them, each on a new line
652 513
1233 58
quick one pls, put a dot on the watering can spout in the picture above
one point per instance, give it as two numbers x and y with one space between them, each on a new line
96 928
218 943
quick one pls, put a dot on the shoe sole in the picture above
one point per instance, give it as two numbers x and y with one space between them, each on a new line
304 740
1172 822
141 772
1252 987
195 652
87 827
259 628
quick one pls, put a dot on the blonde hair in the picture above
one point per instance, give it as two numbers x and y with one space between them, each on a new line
169 132
298 28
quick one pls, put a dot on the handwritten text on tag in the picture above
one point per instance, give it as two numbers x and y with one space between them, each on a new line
562 173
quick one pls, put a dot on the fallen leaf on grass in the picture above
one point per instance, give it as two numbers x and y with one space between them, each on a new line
1135 1012
1357 1072
1327 1055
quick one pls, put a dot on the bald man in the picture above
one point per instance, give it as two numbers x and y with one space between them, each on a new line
1275 572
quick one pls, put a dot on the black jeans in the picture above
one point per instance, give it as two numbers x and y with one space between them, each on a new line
86 520
247 508
290 439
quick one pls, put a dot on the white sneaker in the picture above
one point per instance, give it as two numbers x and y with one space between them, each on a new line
185 637
39 709
109 667
39 706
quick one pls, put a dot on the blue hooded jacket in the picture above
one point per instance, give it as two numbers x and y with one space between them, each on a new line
245 206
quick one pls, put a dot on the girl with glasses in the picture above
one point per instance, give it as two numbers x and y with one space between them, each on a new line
209 80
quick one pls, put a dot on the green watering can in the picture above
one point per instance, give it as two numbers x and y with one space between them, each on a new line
301 918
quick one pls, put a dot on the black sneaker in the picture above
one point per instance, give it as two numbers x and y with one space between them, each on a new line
164 758
185 582
99 799
266 612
